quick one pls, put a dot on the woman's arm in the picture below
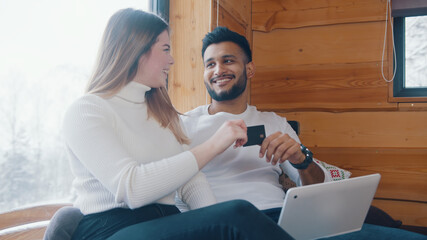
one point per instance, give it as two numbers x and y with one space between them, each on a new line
197 192
89 132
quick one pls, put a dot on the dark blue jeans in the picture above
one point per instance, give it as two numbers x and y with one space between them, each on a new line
104 224
368 231
235 219
273 213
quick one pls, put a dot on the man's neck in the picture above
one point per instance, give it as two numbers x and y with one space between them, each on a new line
234 106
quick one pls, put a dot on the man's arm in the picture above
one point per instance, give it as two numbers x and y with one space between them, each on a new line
312 174
279 147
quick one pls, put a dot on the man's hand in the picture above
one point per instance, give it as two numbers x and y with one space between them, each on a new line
279 147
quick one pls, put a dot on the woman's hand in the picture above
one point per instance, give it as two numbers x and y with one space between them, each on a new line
231 132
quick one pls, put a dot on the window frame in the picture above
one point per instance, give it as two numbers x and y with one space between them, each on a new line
400 9
161 8
399 89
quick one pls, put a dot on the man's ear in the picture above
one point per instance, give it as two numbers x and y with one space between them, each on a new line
250 70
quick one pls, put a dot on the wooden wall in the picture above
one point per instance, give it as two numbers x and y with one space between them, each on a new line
319 62
189 22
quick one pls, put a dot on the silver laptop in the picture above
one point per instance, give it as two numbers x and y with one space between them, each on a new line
328 209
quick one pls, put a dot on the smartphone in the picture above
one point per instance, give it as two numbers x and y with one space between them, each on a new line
256 134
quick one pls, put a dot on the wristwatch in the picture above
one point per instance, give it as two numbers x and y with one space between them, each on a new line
308 158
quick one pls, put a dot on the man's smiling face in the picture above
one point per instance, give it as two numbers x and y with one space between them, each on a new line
225 71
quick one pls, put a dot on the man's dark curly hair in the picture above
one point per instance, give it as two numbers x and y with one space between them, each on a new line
223 34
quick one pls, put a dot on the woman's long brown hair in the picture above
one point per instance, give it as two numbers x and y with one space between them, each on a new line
130 34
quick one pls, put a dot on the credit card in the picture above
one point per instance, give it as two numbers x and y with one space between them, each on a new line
256 134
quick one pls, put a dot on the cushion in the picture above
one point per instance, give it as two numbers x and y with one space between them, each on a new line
63 224
336 172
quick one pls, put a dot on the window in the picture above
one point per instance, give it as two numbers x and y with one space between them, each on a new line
411 54
410 33
161 8
47 50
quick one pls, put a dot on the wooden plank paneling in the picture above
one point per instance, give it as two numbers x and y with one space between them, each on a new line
362 129
410 213
189 22
414 106
28 215
331 62
33 234
334 44
330 87
273 14
403 170
27 222
233 24
235 15
239 11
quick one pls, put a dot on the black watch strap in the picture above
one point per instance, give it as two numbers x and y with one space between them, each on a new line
308 158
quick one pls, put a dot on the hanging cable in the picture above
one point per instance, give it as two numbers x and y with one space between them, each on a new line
384 45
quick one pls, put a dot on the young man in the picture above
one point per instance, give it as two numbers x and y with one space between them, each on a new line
250 173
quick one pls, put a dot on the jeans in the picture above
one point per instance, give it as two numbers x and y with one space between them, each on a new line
235 219
377 232
368 231
104 224
273 213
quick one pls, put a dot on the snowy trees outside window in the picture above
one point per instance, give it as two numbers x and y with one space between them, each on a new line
47 49
416 52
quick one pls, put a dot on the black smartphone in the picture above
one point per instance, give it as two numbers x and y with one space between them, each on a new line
256 134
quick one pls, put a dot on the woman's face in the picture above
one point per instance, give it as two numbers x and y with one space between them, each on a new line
153 67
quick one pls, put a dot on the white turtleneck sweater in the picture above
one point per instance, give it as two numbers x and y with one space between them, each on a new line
123 159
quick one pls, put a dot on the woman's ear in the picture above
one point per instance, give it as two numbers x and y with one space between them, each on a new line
250 70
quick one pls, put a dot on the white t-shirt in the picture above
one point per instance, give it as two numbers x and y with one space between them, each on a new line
240 173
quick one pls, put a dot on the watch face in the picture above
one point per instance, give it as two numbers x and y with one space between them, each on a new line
305 150
308 158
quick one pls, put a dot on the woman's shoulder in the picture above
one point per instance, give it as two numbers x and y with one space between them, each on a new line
89 100
88 104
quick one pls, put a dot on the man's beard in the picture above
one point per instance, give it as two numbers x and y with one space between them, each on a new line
236 90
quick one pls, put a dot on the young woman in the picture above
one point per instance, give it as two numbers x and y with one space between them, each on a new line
128 150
